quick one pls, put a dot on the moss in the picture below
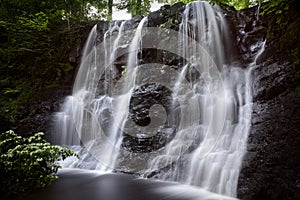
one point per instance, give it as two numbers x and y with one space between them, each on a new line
284 32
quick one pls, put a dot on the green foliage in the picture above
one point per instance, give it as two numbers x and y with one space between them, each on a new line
276 6
237 4
38 22
176 1
36 38
142 7
135 7
28 163
284 28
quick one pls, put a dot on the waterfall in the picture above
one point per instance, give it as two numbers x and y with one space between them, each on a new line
64 128
226 132
225 107
195 128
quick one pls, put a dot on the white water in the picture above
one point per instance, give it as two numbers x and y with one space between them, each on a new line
225 109
215 108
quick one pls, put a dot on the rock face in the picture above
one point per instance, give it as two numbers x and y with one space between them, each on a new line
38 115
271 167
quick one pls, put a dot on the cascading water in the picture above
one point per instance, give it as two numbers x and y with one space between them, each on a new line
202 136
64 120
225 107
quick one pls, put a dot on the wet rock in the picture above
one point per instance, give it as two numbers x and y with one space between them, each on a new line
75 52
271 166
102 27
37 116
249 30
165 14
271 79
143 99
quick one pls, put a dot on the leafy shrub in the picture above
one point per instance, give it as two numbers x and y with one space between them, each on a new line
28 163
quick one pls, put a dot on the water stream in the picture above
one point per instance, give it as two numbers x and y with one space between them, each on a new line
199 123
